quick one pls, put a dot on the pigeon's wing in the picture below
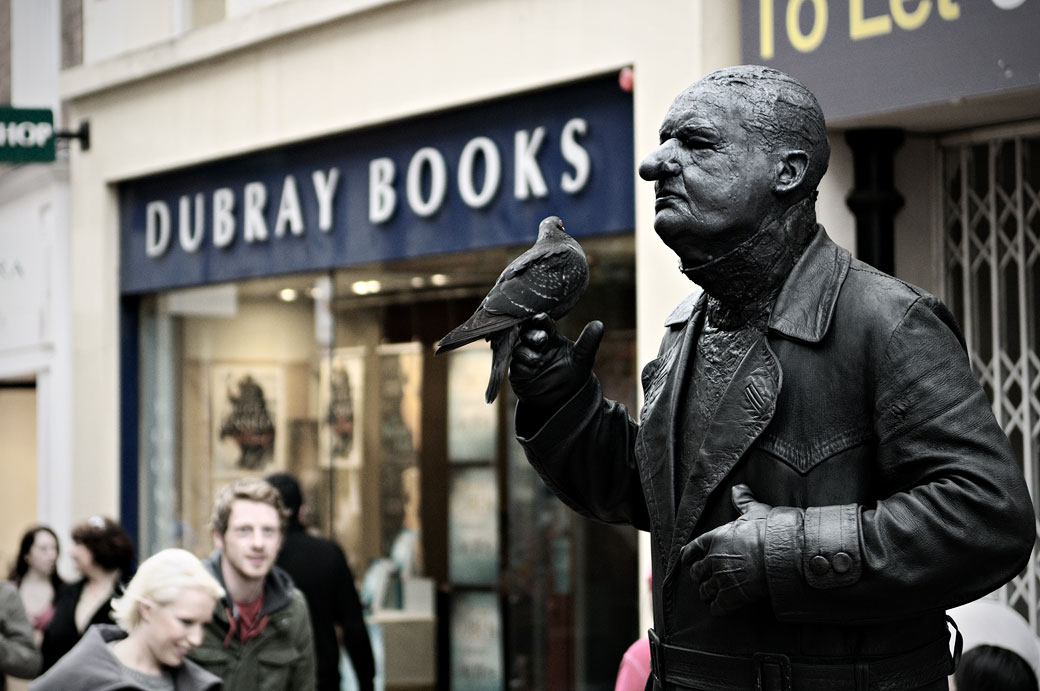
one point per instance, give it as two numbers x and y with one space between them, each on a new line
539 281
536 281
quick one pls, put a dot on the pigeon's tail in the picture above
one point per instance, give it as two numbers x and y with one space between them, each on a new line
479 325
501 348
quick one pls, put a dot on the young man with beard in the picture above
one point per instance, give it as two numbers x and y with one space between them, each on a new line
260 636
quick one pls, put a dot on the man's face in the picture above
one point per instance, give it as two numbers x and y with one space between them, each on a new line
252 539
713 176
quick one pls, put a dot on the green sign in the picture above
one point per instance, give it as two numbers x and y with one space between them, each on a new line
26 135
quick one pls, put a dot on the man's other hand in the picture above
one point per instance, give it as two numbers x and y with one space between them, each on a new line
729 561
548 368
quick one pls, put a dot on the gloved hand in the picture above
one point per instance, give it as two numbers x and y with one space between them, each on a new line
548 368
729 561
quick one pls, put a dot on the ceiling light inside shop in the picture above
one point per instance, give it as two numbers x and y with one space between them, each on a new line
439 280
418 282
287 294
366 287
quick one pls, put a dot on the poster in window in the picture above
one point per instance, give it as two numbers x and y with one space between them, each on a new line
399 378
472 423
340 406
473 526
476 642
249 424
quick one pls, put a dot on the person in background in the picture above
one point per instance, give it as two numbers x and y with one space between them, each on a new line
160 619
635 663
1000 651
35 574
260 636
104 555
319 569
19 656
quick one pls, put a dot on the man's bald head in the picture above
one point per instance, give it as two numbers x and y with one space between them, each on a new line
781 112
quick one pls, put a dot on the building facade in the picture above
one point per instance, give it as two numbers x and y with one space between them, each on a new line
285 204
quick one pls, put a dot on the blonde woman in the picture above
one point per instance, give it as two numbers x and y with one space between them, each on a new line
160 618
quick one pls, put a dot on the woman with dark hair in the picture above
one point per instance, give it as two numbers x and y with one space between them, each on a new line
35 574
103 554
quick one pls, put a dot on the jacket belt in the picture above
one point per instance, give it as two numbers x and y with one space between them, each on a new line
698 669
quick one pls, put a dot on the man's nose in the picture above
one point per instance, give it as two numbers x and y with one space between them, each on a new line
659 164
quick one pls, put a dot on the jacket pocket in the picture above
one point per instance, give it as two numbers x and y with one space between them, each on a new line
276 665
213 661
805 454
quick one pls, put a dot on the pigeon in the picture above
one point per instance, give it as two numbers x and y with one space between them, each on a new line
549 277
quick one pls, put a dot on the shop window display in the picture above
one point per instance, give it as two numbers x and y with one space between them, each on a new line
332 377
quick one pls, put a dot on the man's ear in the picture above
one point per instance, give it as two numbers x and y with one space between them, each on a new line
218 540
790 171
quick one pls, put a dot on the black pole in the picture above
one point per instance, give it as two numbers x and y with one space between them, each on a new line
874 199
82 134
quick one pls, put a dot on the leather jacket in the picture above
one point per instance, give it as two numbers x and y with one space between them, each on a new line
896 494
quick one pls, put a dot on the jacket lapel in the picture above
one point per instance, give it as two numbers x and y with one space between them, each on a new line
662 380
743 413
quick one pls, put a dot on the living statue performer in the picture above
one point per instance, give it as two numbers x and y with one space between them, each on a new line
818 468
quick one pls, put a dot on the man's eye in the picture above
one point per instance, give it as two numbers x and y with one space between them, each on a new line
270 532
696 142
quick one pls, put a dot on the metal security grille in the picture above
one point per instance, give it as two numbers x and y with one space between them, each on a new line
991 268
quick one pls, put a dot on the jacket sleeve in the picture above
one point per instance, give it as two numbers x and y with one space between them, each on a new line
957 521
585 454
19 656
304 674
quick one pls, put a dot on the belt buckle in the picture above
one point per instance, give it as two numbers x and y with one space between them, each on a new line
782 664
655 656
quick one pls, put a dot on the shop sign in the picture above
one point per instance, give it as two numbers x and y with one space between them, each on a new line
26 135
479 177
866 56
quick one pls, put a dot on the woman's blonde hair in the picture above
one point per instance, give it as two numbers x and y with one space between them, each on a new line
160 580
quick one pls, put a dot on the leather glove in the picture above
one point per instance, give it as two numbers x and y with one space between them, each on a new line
729 561
547 368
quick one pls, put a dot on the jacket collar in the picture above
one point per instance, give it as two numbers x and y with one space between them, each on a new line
278 586
805 306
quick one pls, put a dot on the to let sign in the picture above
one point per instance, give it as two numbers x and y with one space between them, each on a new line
866 56
26 135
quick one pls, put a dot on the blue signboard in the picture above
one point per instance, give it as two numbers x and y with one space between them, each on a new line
478 177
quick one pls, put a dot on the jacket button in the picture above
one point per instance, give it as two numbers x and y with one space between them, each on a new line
841 562
819 565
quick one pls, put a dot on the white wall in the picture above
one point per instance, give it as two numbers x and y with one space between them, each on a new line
35 54
115 27
831 210
34 306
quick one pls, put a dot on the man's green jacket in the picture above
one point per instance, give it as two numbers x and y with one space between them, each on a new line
280 658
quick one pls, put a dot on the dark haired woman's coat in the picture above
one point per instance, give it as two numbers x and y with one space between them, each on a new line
61 635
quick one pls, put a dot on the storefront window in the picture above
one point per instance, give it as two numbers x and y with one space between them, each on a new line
332 377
